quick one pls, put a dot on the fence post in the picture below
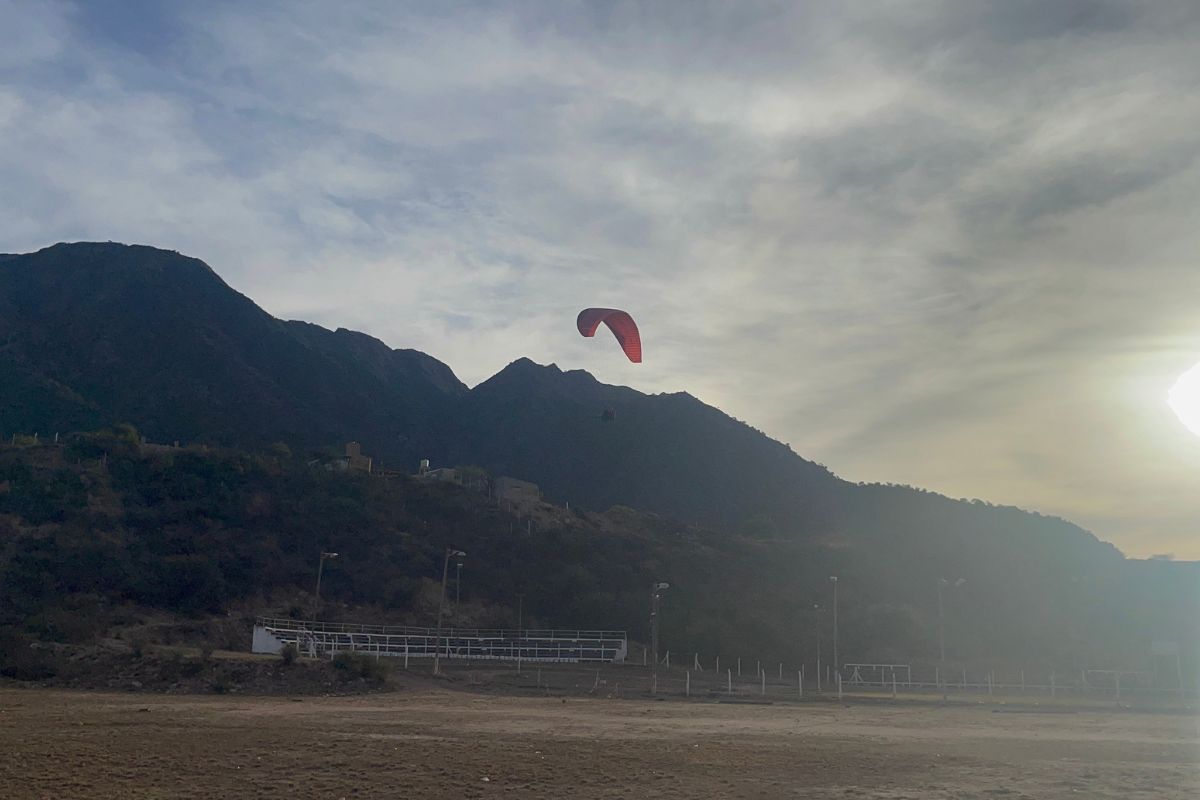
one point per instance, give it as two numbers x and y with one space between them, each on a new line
991 680
1022 680
696 662
800 684
718 667
780 670
839 686
893 684
739 666
729 682
687 686
668 659
1052 687
1118 687
764 684
654 683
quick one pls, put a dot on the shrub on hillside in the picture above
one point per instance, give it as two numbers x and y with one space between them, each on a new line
21 661
366 667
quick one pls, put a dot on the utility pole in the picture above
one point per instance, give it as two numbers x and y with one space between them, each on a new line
941 637
817 608
437 641
836 665
320 569
656 589
520 627
457 592
942 582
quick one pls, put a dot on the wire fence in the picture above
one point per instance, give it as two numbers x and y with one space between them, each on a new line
637 682
690 677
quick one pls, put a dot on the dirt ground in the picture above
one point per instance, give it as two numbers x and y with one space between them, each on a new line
435 743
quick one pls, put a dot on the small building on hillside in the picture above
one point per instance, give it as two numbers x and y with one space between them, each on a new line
355 460
448 474
516 493
352 461
145 446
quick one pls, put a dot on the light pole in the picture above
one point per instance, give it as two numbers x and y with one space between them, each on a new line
817 609
520 628
1076 607
942 583
833 579
437 642
656 590
457 592
320 569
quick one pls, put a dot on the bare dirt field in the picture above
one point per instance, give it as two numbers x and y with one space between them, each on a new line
449 744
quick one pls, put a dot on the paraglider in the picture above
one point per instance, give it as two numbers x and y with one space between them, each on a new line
619 322
623 328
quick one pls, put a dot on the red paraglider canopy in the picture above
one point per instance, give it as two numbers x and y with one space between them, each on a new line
619 322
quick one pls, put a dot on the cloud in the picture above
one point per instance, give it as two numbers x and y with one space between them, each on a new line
942 243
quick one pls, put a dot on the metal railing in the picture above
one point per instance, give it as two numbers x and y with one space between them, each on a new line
559 645
408 630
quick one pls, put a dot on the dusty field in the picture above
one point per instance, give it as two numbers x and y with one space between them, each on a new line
443 744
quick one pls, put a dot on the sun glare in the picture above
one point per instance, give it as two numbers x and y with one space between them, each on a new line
1184 399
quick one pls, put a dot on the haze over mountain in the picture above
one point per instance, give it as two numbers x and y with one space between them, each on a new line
102 333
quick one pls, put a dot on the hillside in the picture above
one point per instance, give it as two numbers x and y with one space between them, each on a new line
96 526
98 534
668 453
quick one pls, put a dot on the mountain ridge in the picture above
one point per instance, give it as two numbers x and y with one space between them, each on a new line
159 340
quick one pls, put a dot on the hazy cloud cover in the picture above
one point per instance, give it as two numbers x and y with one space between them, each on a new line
950 244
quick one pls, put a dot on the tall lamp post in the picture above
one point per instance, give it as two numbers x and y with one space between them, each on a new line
520 628
817 611
437 642
836 666
656 590
457 592
941 584
1077 640
321 569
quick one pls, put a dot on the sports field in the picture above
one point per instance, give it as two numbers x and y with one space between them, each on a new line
450 744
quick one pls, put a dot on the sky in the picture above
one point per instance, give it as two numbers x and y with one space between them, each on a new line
946 244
